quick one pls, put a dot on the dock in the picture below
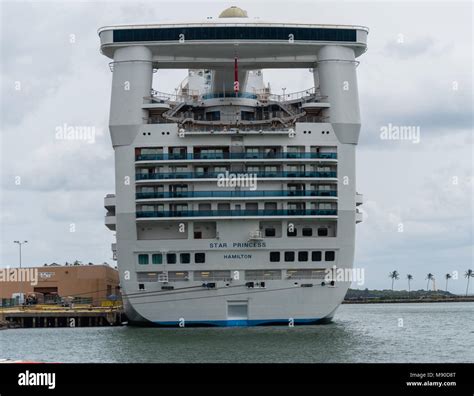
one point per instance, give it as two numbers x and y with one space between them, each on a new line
54 316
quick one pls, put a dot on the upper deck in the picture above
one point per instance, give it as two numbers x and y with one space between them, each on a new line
206 44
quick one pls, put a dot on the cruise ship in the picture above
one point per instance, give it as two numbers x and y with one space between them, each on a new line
234 205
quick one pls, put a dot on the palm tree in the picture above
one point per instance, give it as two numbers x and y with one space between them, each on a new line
469 274
448 277
394 275
430 277
410 278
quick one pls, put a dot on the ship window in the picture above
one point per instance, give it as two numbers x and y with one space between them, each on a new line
262 274
329 256
223 206
302 256
199 258
218 275
179 207
251 206
185 258
234 33
271 169
204 207
322 232
141 286
307 232
171 258
289 256
255 169
197 235
270 232
292 232
252 151
179 188
315 256
317 273
150 150
147 277
157 258
324 205
175 276
274 257
143 259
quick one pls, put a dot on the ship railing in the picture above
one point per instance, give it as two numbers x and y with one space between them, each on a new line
269 117
213 127
277 124
234 213
186 95
213 156
313 276
212 175
305 94
229 95
313 118
157 120
234 194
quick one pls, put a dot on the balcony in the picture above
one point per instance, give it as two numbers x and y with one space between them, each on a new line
232 156
110 221
109 202
359 217
233 194
236 213
359 199
214 175
230 95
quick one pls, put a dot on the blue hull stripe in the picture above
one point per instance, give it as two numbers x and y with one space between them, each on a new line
240 322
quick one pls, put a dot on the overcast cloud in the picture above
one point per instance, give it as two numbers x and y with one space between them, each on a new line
417 72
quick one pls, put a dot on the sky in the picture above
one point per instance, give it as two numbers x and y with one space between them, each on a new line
417 72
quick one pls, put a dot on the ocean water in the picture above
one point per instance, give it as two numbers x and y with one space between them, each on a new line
431 332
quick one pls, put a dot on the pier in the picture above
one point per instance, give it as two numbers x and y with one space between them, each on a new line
47 316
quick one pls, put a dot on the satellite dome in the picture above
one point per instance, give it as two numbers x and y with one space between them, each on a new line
233 12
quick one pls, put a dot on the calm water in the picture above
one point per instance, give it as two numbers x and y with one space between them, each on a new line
442 332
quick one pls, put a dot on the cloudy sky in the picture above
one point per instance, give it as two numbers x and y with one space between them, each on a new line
417 72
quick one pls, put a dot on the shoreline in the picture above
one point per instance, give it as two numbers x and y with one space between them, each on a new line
408 300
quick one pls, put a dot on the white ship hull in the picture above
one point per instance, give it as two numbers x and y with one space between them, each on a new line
282 303
192 251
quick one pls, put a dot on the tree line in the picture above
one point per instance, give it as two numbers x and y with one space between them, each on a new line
395 275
